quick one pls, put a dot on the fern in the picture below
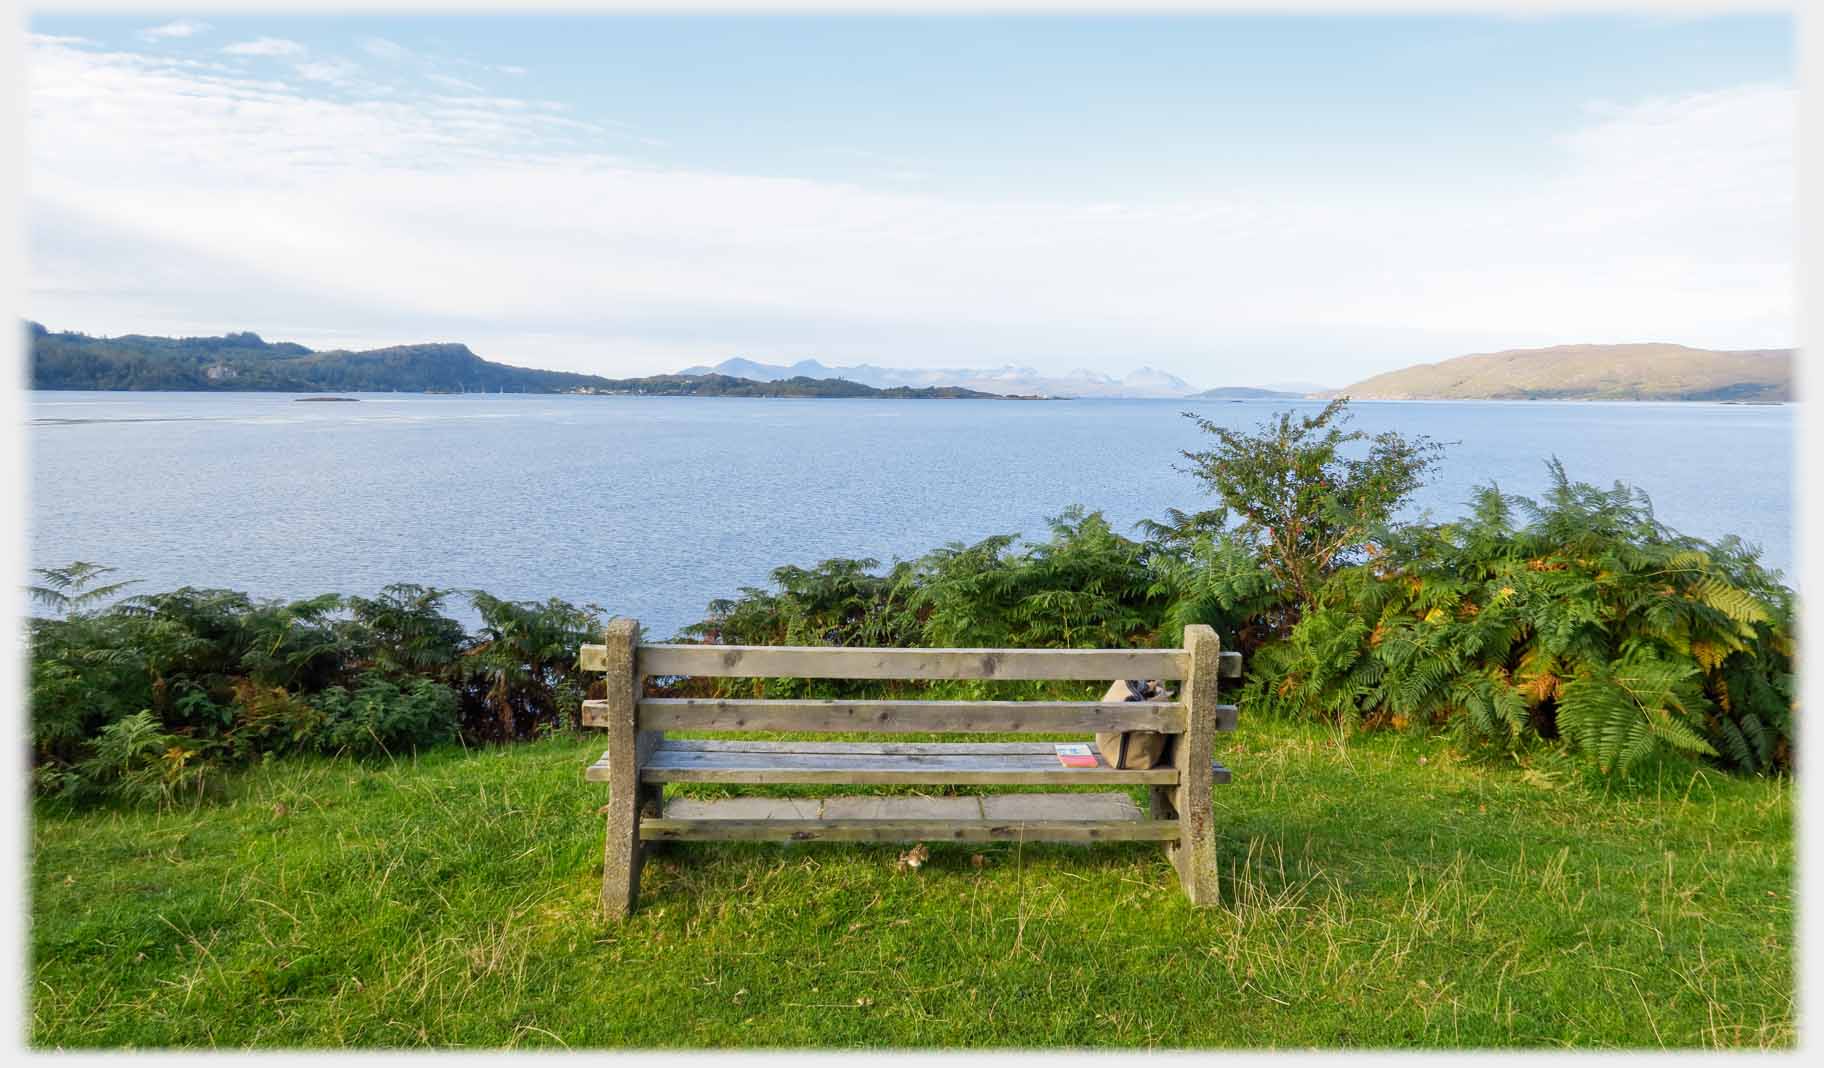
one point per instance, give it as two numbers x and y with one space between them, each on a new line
1577 616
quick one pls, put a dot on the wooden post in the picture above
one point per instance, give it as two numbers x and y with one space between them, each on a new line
1159 803
627 749
1194 854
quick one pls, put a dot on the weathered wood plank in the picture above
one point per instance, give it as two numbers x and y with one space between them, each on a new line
1058 807
996 808
745 745
804 745
669 765
812 759
909 830
838 662
593 658
744 808
910 717
877 807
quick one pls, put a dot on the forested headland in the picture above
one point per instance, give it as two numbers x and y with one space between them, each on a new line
246 362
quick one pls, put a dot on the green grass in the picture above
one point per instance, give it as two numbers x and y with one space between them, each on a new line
1386 892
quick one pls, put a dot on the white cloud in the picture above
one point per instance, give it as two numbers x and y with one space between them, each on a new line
328 71
454 83
381 48
265 46
506 68
178 29
496 221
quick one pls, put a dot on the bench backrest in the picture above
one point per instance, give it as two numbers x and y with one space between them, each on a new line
627 664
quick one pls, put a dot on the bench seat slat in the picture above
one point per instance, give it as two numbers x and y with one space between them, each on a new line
799 768
1011 763
885 762
745 745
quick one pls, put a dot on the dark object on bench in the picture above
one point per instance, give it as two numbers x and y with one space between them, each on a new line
640 760
1135 749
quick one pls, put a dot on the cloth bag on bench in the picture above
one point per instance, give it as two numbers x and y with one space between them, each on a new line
1134 750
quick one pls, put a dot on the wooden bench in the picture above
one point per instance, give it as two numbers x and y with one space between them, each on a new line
640 760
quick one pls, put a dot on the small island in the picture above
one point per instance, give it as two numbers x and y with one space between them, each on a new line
1243 393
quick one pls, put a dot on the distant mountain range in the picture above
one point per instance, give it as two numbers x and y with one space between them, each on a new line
246 362
1651 371
1145 382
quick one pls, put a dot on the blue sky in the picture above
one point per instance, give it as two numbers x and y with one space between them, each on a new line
1331 195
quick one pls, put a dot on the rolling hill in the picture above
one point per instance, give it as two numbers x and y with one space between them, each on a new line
1650 371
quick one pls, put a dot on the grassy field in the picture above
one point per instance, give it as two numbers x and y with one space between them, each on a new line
1380 892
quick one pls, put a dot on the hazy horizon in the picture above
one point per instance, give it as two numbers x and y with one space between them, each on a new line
1234 200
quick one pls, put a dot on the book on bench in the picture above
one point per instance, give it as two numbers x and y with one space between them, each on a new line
1076 755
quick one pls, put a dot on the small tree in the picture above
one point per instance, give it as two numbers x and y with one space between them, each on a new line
1305 506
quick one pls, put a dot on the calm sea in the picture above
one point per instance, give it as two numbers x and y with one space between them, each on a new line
651 507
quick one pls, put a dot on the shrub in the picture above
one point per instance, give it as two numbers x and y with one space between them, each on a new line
142 698
1300 500
404 630
133 760
268 719
1084 586
379 717
514 672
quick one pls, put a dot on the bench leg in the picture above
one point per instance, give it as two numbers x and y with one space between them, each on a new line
652 806
1194 853
628 750
621 859
1159 803
1162 804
